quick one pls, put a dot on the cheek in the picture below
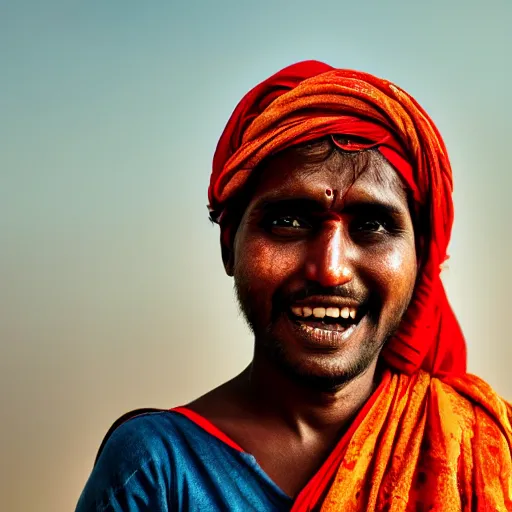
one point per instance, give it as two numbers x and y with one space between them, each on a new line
264 265
394 261
398 271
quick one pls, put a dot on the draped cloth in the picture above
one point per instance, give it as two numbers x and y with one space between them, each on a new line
422 444
432 437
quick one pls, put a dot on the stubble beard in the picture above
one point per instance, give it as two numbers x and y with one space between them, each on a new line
329 379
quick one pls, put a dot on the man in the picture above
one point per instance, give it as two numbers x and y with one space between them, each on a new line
332 189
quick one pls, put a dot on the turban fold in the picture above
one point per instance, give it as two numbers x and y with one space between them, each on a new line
310 100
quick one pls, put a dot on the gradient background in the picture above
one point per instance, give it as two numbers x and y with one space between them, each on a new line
113 294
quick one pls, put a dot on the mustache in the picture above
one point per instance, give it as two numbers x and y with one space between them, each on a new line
282 302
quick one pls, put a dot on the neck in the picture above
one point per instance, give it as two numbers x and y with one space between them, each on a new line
302 408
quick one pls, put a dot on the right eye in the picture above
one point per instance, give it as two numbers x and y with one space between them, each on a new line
290 221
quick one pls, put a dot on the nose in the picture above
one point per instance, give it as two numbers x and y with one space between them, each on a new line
329 260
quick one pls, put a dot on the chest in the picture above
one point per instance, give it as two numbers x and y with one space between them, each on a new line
289 461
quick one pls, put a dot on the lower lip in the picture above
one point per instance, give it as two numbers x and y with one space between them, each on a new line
318 337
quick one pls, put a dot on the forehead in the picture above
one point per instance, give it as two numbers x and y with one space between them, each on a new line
292 174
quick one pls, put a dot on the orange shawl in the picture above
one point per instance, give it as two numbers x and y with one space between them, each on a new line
424 444
432 437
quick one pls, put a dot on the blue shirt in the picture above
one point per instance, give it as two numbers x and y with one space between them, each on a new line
163 462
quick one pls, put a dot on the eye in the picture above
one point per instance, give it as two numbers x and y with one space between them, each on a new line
287 225
366 228
290 221
370 226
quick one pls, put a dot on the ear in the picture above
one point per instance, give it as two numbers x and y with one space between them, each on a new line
227 249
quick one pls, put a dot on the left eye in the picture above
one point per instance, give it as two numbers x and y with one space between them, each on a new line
370 225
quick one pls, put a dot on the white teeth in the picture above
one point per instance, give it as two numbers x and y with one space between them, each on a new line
319 312
332 312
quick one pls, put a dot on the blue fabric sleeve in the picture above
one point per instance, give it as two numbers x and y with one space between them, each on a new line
133 473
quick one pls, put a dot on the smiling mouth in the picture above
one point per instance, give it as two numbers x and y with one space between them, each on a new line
326 325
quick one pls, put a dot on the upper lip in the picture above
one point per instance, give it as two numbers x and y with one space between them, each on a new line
327 301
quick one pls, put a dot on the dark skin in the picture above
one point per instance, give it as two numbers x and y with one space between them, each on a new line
313 236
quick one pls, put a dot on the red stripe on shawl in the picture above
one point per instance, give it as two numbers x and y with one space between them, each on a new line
208 426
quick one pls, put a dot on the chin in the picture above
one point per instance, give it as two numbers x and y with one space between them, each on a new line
325 372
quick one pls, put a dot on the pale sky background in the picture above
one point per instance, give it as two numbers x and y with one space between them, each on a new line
113 294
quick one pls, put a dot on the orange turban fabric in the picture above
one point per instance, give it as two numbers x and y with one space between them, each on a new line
431 437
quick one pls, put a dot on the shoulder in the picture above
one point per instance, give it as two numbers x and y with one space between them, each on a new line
470 412
135 463
471 395
137 439
147 427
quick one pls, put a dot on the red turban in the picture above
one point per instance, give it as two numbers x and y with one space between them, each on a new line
310 100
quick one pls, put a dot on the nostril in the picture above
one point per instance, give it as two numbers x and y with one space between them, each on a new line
328 192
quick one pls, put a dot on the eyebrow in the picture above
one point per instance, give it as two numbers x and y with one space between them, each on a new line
291 204
351 207
376 206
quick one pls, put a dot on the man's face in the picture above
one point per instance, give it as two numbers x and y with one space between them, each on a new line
320 242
